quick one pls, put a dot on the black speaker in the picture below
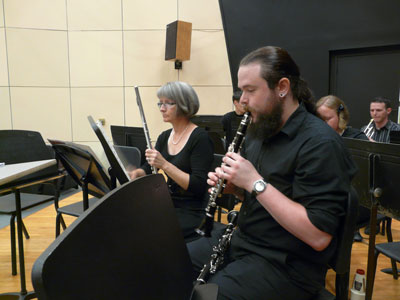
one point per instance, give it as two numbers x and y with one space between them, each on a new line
177 46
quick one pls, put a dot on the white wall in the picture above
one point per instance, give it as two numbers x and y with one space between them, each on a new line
62 60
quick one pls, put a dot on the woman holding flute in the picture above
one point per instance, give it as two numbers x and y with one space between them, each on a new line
184 153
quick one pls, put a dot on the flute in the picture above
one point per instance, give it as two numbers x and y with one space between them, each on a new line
145 129
208 222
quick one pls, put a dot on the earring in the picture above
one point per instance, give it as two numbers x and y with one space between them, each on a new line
281 95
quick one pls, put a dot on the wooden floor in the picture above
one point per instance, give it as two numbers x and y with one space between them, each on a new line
41 227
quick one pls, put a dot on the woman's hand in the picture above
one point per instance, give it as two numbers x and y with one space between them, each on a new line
133 174
154 158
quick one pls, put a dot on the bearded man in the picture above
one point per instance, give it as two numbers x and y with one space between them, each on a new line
294 177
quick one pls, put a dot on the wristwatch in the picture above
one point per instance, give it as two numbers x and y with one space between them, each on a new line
259 186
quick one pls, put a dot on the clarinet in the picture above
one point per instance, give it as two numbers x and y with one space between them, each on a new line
145 129
207 224
218 255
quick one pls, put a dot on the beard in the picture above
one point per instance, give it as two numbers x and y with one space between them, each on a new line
267 125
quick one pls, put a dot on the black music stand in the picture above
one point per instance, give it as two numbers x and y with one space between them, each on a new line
130 136
116 170
129 245
377 187
212 124
87 172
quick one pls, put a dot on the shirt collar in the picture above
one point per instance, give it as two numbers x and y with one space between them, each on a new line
387 125
292 125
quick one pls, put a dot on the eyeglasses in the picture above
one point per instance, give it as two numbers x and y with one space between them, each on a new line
166 104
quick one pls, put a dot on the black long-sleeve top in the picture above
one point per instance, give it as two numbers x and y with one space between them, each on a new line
195 158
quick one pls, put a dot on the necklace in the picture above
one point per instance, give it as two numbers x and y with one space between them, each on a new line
183 132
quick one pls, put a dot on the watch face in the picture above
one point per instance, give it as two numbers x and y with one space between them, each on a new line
259 186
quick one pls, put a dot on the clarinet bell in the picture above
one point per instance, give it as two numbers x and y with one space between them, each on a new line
205 227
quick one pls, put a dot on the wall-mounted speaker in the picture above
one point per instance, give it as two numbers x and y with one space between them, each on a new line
179 36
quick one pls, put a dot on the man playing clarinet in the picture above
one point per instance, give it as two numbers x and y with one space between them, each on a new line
293 175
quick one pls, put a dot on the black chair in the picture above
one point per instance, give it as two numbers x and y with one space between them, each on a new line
129 245
20 146
86 170
129 156
340 262
390 249
218 142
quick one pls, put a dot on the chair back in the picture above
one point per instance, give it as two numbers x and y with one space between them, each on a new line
20 146
129 156
340 263
128 245
218 142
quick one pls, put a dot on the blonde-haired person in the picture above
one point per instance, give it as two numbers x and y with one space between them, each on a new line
184 153
334 112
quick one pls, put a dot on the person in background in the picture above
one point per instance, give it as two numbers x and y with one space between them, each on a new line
334 112
184 153
380 126
230 121
293 175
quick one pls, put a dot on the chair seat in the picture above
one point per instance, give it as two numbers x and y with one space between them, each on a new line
391 250
7 202
75 209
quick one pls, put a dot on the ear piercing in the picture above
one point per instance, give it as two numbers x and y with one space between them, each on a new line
281 95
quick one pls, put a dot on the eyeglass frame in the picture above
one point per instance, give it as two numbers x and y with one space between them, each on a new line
166 104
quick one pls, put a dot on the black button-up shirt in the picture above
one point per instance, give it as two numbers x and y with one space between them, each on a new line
307 162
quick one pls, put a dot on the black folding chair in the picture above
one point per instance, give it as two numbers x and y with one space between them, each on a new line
20 146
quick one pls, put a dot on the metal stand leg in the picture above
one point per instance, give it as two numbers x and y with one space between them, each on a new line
23 294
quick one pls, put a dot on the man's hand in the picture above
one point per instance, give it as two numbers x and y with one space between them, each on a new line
238 171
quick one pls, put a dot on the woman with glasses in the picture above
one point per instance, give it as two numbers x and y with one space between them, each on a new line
184 153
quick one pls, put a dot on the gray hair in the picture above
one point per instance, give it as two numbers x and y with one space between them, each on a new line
183 94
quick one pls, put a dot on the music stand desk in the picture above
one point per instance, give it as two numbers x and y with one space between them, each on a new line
12 180
379 166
